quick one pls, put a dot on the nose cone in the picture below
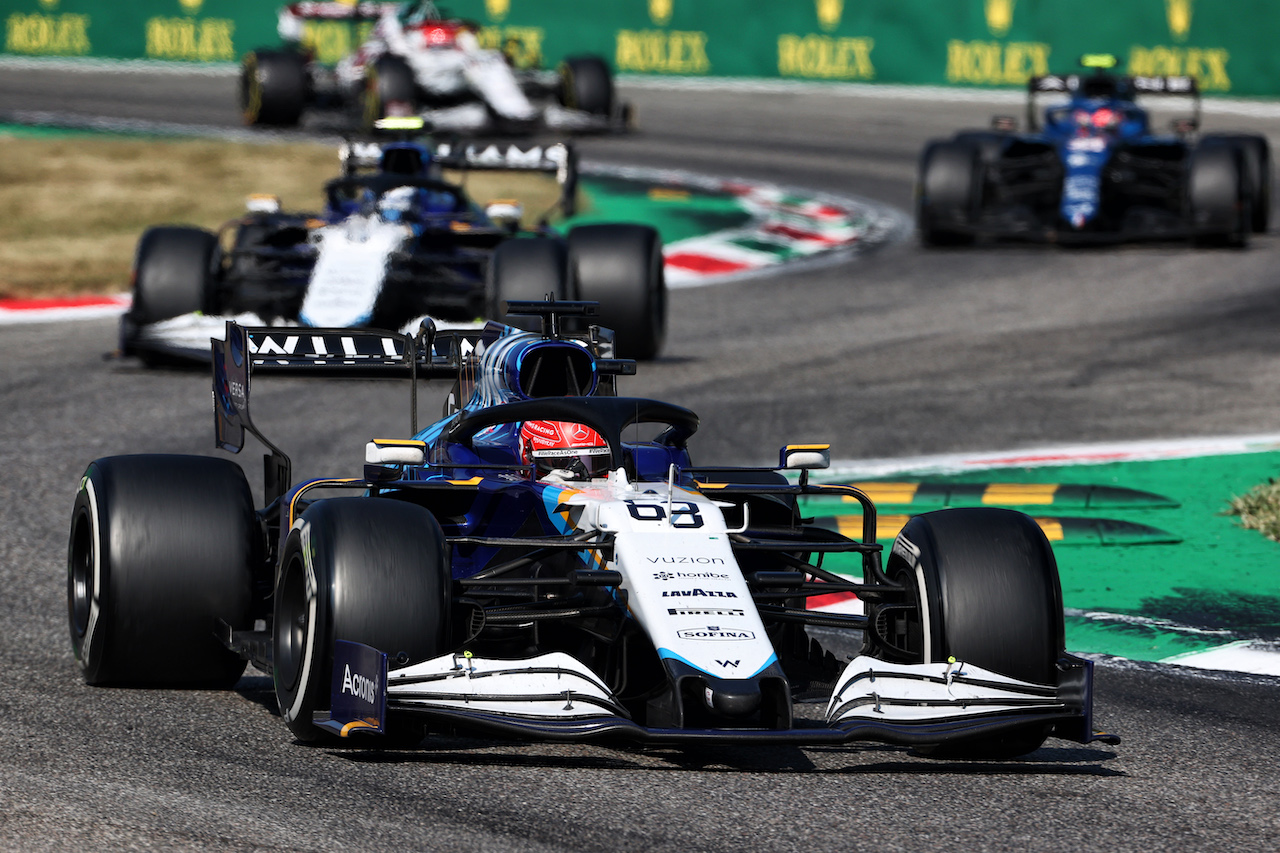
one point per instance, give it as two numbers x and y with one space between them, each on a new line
733 698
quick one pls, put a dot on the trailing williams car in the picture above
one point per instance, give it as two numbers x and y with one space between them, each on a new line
394 243
534 564
1093 169
414 60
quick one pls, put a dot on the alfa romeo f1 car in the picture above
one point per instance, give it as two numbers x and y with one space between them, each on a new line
413 60
394 243
1093 169
537 564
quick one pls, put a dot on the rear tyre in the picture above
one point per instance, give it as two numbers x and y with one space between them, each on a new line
586 84
1219 198
389 89
1255 160
162 547
948 193
525 269
367 570
621 267
987 594
273 88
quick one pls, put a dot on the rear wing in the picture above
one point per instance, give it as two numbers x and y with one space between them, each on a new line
1069 84
559 159
373 353
333 10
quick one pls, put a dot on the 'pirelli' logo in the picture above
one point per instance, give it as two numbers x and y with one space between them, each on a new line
704 611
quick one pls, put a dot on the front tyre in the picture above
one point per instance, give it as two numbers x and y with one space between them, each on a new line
586 84
273 88
366 570
986 593
161 549
622 268
948 193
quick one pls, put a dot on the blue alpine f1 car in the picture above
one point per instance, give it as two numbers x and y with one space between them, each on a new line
547 561
1091 168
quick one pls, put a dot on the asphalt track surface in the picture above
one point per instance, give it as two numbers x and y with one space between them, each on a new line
900 351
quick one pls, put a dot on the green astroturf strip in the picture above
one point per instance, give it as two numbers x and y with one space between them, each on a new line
677 215
1219 578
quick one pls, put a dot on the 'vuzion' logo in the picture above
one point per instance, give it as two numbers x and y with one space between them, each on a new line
999 16
829 13
1179 14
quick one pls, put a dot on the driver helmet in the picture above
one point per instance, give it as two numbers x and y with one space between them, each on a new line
572 451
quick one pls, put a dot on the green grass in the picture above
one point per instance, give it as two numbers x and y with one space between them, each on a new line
79 202
1259 509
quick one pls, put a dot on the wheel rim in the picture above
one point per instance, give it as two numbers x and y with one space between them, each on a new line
80 574
292 615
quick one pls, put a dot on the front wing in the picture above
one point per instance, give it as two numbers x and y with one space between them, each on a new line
554 696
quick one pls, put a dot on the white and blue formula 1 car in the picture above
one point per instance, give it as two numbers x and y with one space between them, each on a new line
535 565
394 243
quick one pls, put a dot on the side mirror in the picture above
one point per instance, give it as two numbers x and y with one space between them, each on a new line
395 451
262 203
806 456
505 213
1004 124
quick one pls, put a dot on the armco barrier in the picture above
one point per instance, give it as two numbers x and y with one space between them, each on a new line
1224 43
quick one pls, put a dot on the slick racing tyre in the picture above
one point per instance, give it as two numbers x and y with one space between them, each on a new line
621 267
949 193
173 273
1255 159
525 269
162 548
366 570
389 89
986 593
1219 196
586 84
273 88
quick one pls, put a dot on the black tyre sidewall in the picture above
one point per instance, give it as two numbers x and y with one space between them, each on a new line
173 273
1255 153
948 193
273 88
587 84
176 542
1218 196
621 266
366 570
389 79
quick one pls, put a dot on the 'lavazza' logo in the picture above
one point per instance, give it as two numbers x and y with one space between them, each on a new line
359 686
714 632
694 593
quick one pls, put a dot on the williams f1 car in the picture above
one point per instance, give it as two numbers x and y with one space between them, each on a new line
412 60
394 243
1093 170
535 564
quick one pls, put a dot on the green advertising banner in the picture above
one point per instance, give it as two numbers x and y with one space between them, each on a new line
1226 45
